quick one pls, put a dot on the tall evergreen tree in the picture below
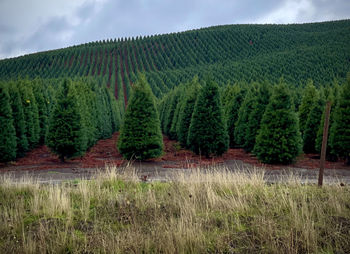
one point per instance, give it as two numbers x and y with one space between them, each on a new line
260 102
278 139
306 104
18 119
208 134
340 130
187 111
66 137
231 109
140 135
8 142
313 124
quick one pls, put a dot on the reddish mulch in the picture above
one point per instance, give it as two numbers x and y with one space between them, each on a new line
105 152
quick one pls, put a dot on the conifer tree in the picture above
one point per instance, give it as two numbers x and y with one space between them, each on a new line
313 123
208 134
66 137
18 119
243 115
8 142
306 104
340 130
232 108
278 139
140 135
260 102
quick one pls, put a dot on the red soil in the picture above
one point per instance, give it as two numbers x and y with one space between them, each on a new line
105 152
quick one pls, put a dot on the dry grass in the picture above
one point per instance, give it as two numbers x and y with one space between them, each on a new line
200 211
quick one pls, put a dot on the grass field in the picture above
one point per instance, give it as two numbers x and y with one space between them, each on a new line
200 212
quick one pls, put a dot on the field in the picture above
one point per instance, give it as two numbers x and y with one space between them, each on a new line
200 211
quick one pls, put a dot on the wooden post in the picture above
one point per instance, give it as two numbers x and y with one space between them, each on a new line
324 143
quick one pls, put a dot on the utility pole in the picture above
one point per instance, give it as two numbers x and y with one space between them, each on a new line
324 143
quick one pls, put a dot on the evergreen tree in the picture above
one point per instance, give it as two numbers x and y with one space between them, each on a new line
41 100
340 131
278 139
18 119
313 124
243 115
306 104
66 137
258 108
208 134
231 110
140 135
187 110
8 142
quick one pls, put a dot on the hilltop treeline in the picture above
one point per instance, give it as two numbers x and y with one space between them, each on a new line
68 116
274 121
320 51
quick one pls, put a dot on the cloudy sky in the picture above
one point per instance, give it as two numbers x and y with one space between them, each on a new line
28 26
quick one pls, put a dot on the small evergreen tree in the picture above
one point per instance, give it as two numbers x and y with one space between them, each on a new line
66 137
340 131
208 134
8 142
278 140
140 135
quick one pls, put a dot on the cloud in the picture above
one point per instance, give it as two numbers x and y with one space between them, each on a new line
36 25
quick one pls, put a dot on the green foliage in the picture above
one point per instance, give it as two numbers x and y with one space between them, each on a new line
187 111
207 133
66 137
140 135
306 105
340 130
8 142
278 139
18 119
313 124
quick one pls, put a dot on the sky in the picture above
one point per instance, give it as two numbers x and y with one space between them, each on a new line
28 26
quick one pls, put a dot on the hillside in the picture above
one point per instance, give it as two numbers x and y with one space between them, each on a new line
297 52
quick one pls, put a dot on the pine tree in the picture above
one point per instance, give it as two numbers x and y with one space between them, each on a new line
312 124
66 137
278 139
140 135
187 110
340 130
306 104
18 119
258 108
208 134
8 142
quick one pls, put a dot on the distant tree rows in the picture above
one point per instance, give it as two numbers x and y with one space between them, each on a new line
276 122
229 53
68 116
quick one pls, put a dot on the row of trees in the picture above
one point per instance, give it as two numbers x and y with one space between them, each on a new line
269 120
67 116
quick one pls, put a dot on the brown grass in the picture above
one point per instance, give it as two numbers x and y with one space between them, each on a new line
201 211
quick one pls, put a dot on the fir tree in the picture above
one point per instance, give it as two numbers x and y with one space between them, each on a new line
66 137
306 104
278 139
8 142
260 102
140 135
312 124
187 110
18 120
207 133
340 131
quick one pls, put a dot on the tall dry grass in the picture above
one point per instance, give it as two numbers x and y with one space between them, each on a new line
205 210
